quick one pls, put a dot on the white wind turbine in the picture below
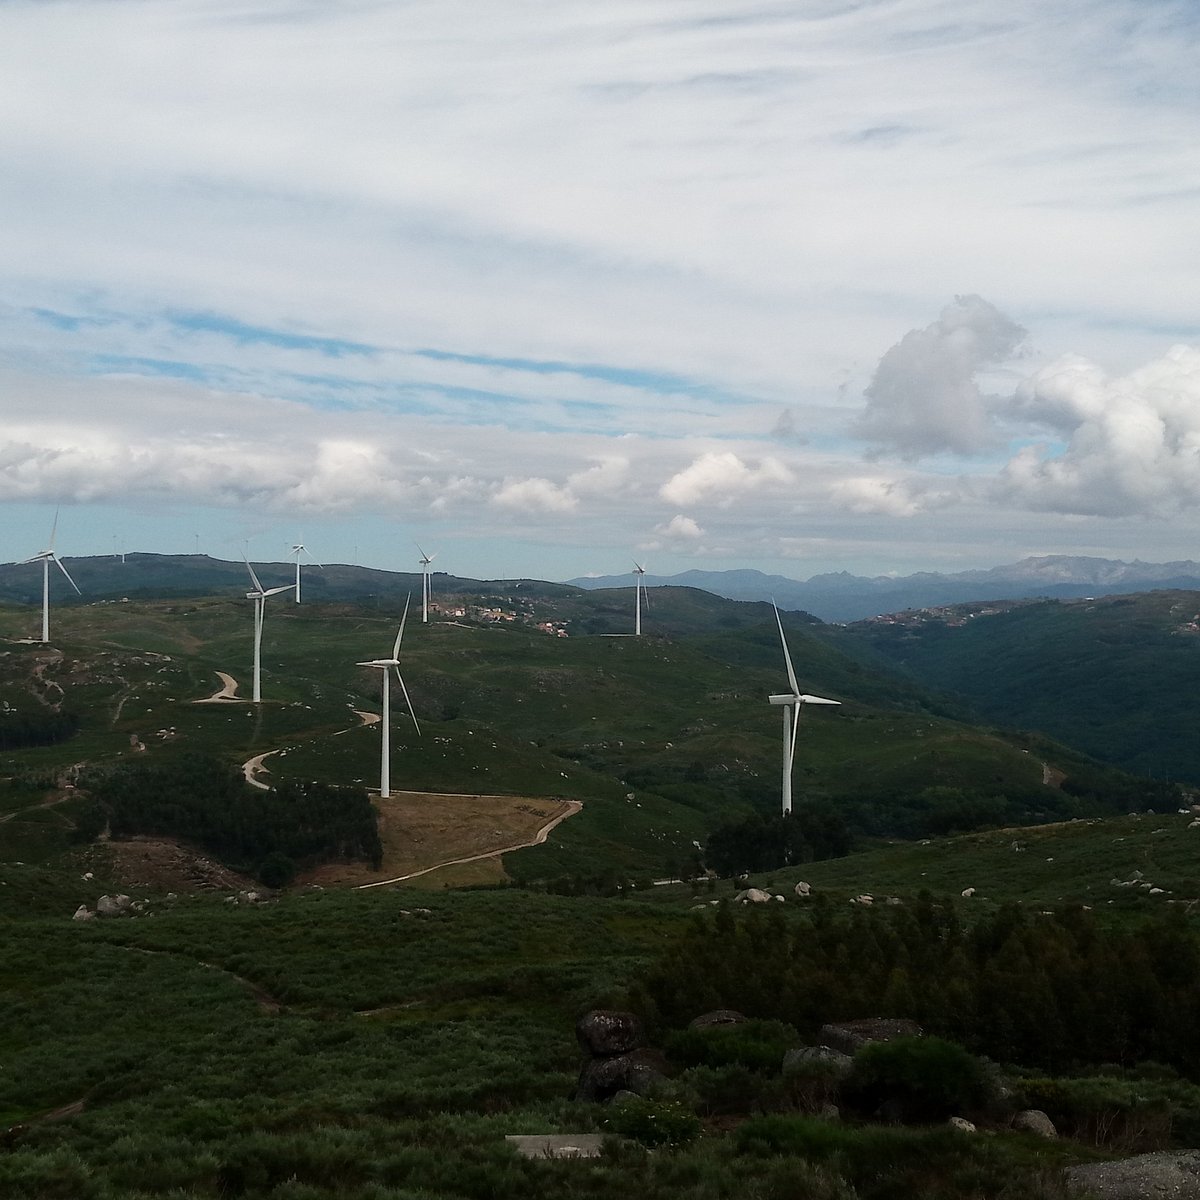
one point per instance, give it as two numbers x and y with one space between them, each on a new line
298 549
792 703
639 573
46 557
259 596
387 665
426 588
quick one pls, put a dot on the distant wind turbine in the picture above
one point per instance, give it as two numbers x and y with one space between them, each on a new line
259 596
792 703
387 665
46 557
426 587
639 574
300 549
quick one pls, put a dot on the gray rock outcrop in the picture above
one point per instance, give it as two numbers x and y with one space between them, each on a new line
637 1072
1033 1120
802 1058
719 1016
113 906
605 1032
1174 1174
850 1036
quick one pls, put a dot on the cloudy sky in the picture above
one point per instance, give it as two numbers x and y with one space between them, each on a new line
876 285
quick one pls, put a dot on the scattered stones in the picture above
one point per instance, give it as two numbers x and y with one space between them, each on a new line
1033 1120
865 898
851 1036
1163 1173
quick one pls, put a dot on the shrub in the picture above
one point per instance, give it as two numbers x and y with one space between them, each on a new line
926 1078
276 870
654 1123
756 1045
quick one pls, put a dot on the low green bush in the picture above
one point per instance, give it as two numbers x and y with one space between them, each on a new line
921 1079
654 1122
756 1045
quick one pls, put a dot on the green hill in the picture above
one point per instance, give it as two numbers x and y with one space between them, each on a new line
1115 677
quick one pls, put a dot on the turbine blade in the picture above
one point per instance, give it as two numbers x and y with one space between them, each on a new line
53 530
287 587
407 701
787 657
424 556
805 698
400 634
67 574
253 577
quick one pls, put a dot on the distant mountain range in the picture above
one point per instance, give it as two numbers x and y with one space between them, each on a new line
841 596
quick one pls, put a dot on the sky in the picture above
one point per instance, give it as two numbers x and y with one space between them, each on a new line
867 285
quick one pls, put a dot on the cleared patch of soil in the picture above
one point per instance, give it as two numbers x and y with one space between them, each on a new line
421 829
161 865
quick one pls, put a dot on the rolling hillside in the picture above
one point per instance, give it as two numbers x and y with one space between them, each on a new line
1115 677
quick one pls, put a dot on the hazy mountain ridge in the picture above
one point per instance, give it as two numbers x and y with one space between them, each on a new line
841 596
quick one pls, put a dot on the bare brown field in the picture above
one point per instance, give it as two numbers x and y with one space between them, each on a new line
424 831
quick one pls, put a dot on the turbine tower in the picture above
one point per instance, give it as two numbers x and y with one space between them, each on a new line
298 549
792 703
639 588
46 557
259 596
387 665
426 589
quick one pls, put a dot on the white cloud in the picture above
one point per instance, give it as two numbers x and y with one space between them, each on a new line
924 397
721 477
680 528
535 495
1132 442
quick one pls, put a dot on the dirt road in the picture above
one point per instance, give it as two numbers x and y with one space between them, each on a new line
227 694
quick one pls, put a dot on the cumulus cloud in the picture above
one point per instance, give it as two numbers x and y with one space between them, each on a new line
719 478
680 528
535 495
1132 443
924 397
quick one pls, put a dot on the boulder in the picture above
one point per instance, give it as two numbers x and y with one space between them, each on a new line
1164 1173
113 906
798 1061
961 1124
752 896
1033 1120
851 1036
967 893
637 1072
803 889
606 1032
83 913
719 1016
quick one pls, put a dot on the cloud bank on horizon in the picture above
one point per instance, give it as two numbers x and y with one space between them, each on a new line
657 275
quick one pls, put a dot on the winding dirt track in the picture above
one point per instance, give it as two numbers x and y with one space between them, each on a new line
227 694
570 808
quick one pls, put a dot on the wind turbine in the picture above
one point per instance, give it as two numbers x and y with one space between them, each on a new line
426 589
639 573
386 665
298 549
46 557
792 703
259 596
